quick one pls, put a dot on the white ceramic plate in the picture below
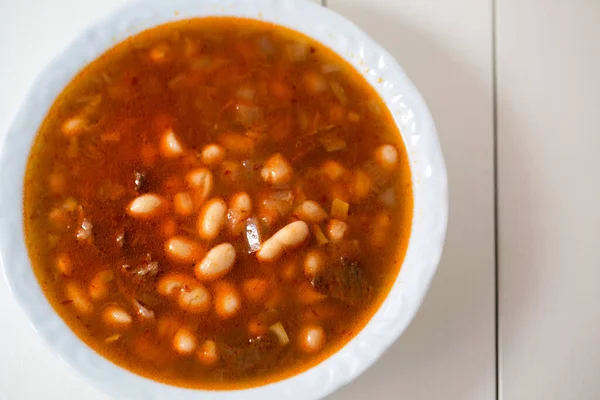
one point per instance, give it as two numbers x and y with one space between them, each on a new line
370 59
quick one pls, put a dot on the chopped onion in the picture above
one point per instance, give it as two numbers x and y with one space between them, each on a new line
112 338
329 68
142 311
297 51
280 332
339 92
253 236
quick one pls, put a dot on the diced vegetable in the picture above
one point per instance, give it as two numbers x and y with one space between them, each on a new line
339 92
339 209
280 332
319 235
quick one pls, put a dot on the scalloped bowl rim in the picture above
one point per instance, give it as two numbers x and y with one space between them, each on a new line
374 63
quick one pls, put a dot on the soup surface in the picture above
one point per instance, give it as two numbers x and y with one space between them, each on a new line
217 203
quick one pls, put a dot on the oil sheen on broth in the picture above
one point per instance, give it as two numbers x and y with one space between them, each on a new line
217 203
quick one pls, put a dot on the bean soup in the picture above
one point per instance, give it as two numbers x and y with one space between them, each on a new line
217 203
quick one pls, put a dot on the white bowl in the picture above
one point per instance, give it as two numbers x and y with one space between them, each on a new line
370 59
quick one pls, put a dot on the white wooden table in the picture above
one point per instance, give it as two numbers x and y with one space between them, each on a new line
516 79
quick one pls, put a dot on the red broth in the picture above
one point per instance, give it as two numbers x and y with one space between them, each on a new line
217 203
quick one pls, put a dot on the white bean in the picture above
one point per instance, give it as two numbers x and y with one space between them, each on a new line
99 285
170 146
240 207
290 236
64 264
57 182
199 178
146 206
212 218
306 294
361 186
184 341
310 211
207 353
172 283
353 116
388 198
255 289
257 327
183 204
78 298
315 83
277 170
217 262
181 249
116 316
380 229
167 326
159 53
237 144
386 156
336 230
213 154
312 339
289 269
194 298
201 181
227 300
333 170
313 262
230 172
73 126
